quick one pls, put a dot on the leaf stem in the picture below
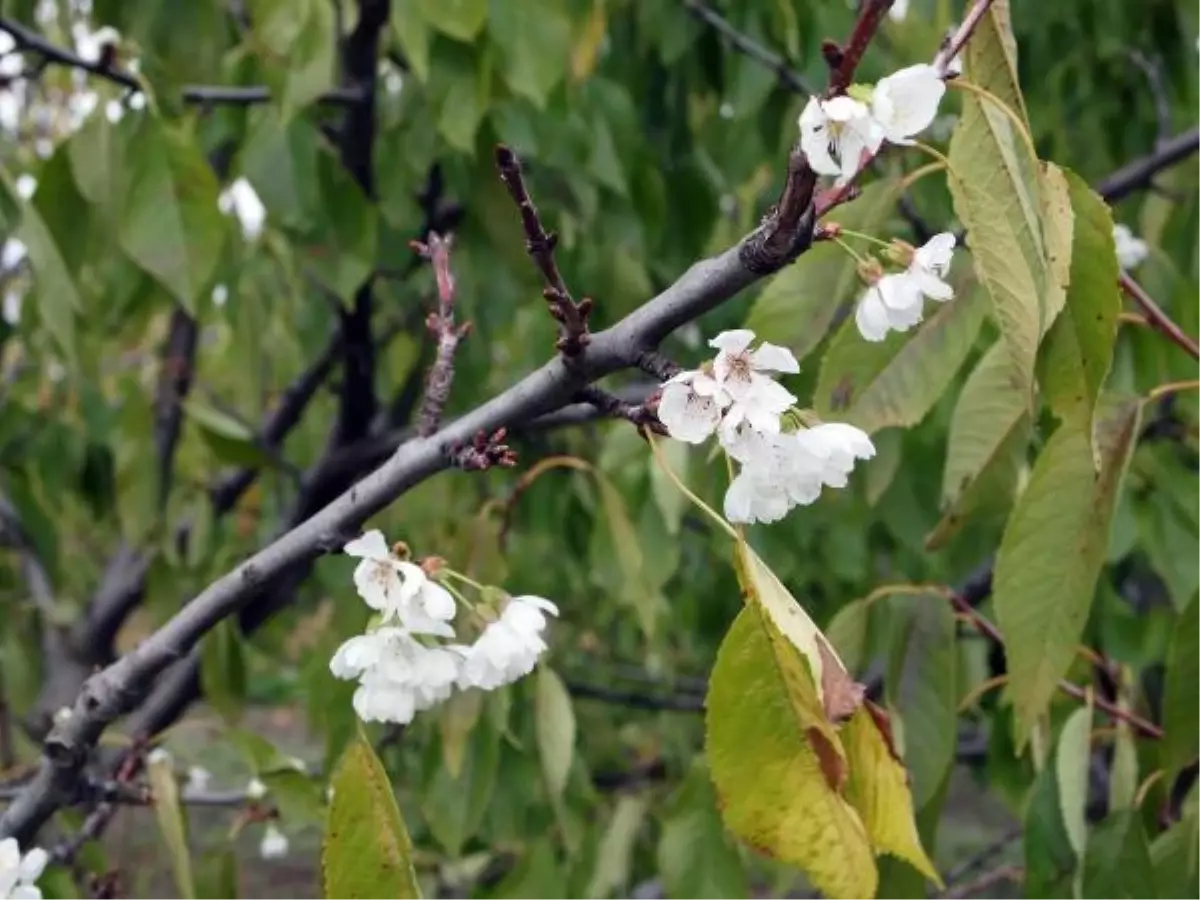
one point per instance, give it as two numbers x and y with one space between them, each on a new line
858 258
1170 388
864 237
985 94
686 491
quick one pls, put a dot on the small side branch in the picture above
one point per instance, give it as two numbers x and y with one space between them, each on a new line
639 414
1140 173
444 329
744 44
844 60
174 383
1157 317
29 40
484 452
572 317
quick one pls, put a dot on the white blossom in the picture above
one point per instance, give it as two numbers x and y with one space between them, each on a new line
399 589
114 111
906 102
899 10
835 133
12 254
509 647
26 186
45 12
12 64
10 307
691 406
745 376
19 874
198 779
7 44
242 201
398 676
1131 250
158 756
274 843
220 294
255 789
835 446
896 302
10 106
90 44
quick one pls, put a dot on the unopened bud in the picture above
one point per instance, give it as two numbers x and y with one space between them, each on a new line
400 550
901 252
870 270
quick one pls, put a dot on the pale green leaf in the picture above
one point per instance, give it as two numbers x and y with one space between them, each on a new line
1079 345
1123 776
1051 554
169 223
454 805
773 791
460 19
1181 694
366 851
993 182
847 632
1118 861
695 854
1175 855
614 856
171 823
534 37
1072 760
456 720
312 59
58 299
554 722
638 591
1058 228
1050 863
413 34
799 304
460 93
985 446
895 382
280 161
880 471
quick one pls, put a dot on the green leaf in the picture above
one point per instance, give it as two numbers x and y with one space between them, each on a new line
460 19
533 37
223 669
260 754
1049 860
799 304
847 631
97 156
217 875
696 858
340 251
1123 774
1118 861
880 471
614 856
895 382
1181 696
366 850
1175 854
923 687
169 224
1051 554
297 794
312 58
459 93
412 33
280 161
985 446
1072 762
1079 345
230 440
623 551
454 806
58 300
171 823
773 792
993 182
554 721
456 720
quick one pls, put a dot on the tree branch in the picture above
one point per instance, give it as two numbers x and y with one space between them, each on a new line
572 317
1157 317
29 40
849 55
248 95
1140 172
174 383
447 333
788 77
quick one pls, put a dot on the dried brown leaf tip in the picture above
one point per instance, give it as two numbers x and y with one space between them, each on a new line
843 695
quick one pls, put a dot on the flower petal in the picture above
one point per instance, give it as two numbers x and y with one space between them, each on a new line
371 545
773 358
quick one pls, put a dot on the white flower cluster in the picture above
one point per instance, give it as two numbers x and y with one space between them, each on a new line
736 397
837 132
19 874
400 666
1131 250
896 302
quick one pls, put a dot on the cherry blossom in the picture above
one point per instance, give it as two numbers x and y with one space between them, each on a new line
509 647
835 133
274 843
19 874
1131 250
691 406
399 589
241 200
895 302
905 103
745 376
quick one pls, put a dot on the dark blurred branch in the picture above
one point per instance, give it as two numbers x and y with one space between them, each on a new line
1157 317
248 95
174 381
29 40
1140 173
572 317
746 45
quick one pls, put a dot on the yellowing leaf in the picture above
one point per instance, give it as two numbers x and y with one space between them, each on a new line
588 41
986 444
167 809
1072 761
773 792
878 789
1050 557
798 305
895 382
366 852
993 183
1058 227
1079 345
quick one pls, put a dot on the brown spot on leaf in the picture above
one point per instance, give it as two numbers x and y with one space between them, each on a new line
843 695
833 767
884 723
842 394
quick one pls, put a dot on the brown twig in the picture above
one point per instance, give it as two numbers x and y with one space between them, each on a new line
844 59
484 452
447 333
960 37
990 631
572 317
640 414
1157 318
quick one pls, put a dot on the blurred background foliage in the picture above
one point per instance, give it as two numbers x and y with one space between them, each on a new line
649 143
